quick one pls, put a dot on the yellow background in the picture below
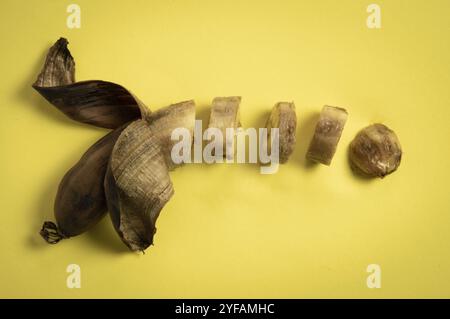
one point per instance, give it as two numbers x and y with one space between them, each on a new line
307 231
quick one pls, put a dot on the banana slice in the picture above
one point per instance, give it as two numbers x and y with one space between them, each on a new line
225 114
375 151
284 118
327 134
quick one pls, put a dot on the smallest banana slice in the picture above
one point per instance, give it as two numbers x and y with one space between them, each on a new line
283 117
327 134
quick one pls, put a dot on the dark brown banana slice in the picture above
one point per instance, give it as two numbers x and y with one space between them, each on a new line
80 201
375 151
327 134
98 103
284 118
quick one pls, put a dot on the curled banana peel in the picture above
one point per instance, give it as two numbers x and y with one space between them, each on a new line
283 118
225 114
99 103
137 182
80 201
327 134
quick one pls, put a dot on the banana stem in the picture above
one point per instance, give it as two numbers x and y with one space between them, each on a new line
50 233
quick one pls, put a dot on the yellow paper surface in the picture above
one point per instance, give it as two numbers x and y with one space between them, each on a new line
307 231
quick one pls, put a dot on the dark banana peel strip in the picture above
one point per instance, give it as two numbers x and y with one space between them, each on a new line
327 134
375 151
99 103
80 201
284 118
137 182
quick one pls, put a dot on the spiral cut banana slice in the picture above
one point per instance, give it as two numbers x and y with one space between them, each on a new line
284 118
100 103
225 114
137 183
327 134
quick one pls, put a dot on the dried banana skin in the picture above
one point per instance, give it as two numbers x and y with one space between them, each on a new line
80 201
375 151
134 209
98 103
327 134
163 121
137 183
284 118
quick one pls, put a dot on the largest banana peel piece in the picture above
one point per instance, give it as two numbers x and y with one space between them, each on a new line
137 183
99 103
